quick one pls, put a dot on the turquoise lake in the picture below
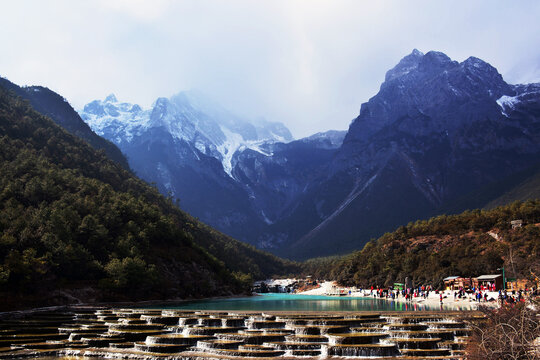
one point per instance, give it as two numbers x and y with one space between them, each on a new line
289 302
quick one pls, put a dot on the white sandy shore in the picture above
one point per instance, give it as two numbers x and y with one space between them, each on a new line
325 288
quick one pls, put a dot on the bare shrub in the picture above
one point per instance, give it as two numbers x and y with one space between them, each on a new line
509 332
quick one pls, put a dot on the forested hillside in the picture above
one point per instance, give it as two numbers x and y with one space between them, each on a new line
53 105
75 225
469 244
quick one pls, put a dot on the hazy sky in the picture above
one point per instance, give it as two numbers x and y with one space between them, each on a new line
309 64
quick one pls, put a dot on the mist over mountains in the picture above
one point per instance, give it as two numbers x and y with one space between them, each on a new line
435 133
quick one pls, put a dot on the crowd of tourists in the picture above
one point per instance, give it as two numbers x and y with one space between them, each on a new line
408 294
484 293
502 296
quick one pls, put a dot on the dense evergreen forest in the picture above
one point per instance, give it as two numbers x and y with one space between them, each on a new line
469 244
75 225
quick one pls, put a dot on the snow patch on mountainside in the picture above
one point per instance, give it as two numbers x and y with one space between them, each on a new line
507 102
232 142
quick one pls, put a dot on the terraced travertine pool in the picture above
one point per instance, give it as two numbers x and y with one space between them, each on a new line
203 334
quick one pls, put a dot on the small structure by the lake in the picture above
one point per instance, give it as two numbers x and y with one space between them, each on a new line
456 283
488 280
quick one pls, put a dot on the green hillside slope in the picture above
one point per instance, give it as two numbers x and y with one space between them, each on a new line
469 244
77 226
51 104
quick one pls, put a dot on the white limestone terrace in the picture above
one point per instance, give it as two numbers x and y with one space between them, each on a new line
188 116
156 333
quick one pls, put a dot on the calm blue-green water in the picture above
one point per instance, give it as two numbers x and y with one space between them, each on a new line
289 302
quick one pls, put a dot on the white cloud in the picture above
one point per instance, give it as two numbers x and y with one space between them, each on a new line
309 64
144 10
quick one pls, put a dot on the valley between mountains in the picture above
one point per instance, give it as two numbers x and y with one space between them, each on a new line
77 223
439 137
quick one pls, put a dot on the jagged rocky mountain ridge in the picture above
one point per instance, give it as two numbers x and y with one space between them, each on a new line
434 133
437 131
187 116
187 145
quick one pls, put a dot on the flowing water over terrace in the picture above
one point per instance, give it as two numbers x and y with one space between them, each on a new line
202 334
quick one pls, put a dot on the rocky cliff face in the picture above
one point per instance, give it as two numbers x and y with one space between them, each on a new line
187 145
437 131
277 179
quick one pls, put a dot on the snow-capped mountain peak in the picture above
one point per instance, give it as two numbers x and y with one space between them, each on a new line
111 98
188 116
114 120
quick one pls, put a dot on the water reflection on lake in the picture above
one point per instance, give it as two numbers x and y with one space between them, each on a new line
289 302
